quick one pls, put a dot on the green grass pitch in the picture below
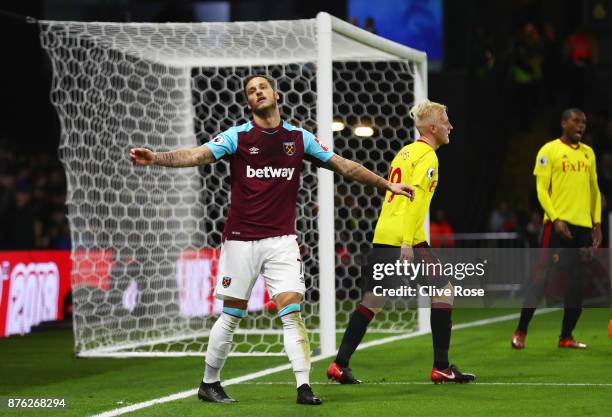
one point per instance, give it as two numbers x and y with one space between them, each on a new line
542 380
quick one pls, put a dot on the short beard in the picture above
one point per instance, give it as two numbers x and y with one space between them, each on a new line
571 139
265 111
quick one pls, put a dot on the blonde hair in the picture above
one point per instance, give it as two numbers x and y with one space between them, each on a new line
424 111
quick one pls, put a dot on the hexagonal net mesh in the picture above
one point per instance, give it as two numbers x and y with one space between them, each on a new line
145 239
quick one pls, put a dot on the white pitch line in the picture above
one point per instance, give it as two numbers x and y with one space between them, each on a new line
528 384
269 371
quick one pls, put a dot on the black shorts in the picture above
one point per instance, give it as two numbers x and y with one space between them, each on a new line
563 266
389 254
564 252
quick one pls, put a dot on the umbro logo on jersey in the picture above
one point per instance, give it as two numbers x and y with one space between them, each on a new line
564 156
270 172
254 150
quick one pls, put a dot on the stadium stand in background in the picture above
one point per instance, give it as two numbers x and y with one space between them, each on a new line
544 68
32 200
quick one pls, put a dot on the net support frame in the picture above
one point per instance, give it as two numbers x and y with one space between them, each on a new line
326 25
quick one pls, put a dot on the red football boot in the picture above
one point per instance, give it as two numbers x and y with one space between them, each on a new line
571 343
450 374
341 375
518 340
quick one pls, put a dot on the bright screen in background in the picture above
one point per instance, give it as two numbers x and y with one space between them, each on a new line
414 23
212 11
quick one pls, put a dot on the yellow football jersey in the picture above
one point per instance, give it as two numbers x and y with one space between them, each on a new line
573 182
402 220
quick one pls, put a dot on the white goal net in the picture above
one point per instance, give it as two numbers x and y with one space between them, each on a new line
145 239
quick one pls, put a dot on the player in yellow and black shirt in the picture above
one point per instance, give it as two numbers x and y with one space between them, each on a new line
566 181
400 227
401 220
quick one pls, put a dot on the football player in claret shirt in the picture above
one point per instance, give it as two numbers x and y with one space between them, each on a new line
265 157
566 181
400 227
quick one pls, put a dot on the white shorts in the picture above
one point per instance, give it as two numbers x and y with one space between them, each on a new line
276 258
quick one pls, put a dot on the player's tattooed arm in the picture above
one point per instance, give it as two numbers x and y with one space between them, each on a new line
179 158
200 155
352 170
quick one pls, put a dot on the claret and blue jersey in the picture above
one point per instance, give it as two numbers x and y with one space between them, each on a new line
265 167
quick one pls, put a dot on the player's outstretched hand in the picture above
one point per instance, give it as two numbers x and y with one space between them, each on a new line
562 229
142 156
402 189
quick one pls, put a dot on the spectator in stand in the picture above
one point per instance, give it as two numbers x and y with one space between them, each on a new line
370 25
7 187
581 54
527 71
20 227
502 219
581 48
441 232
481 54
552 63
533 229
32 201
58 236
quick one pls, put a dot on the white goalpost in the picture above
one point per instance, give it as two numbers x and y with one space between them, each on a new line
145 240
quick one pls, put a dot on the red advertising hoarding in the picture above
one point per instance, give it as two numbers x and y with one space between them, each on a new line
196 276
34 285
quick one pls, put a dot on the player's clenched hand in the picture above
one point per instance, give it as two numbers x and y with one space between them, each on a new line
562 229
142 156
406 253
596 235
402 189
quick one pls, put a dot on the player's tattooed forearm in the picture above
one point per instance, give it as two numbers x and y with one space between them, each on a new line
360 173
352 171
179 158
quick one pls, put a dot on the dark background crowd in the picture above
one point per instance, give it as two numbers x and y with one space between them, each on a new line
32 200
550 59
514 67
509 69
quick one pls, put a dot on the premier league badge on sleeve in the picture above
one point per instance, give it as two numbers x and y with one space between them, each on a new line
218 140
543 161
289 148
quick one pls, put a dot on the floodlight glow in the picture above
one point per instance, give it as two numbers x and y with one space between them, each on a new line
337 126
363 131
